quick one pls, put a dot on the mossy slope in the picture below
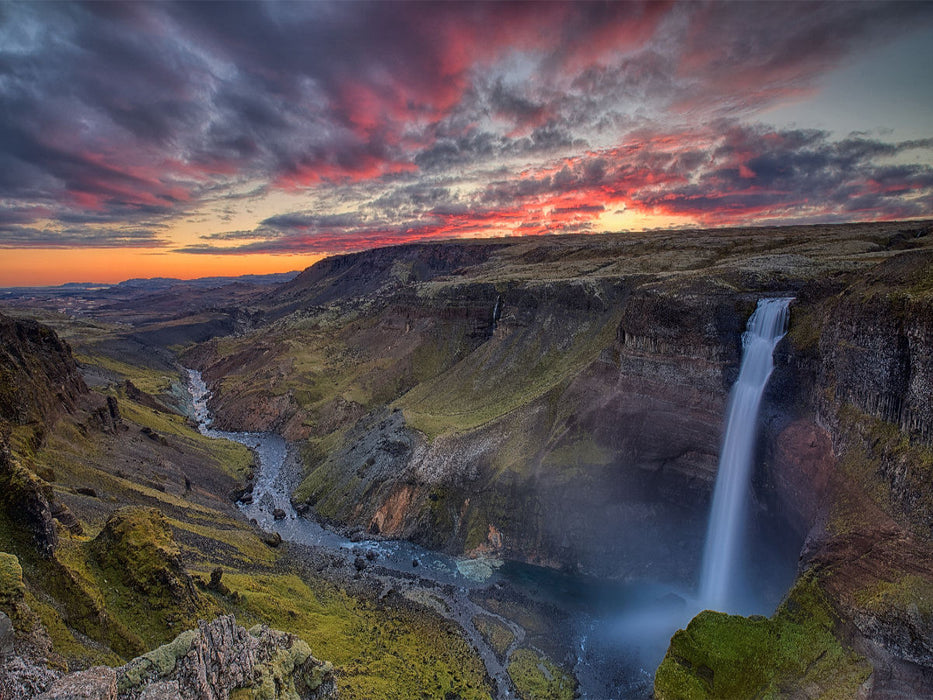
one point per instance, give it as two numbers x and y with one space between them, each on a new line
797 650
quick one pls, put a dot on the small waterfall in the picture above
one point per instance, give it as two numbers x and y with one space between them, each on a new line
728 515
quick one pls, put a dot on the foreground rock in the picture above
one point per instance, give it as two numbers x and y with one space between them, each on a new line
210 663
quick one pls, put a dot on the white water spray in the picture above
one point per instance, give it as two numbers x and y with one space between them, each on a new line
727 518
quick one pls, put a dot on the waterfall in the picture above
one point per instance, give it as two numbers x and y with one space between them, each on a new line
727 517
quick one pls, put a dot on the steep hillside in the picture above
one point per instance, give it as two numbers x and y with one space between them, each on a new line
117 533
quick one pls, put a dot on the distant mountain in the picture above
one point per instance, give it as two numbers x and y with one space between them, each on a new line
152 284
156 283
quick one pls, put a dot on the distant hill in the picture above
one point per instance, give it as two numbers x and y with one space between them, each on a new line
156 283
151 284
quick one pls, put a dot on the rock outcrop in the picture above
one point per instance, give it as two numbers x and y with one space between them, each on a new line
24 500
220 657
216 661
138 543
39 379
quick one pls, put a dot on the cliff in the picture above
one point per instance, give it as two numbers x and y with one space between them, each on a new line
39 380
535 399
481 396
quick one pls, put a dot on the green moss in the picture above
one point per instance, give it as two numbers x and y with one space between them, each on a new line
286 676
156 663
81 602
727 656
904 592
64 642
244 547
496 633
537 678
381 651
883 471
12 588
806 327
145 582
502 375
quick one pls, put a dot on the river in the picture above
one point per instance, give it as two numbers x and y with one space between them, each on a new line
618 631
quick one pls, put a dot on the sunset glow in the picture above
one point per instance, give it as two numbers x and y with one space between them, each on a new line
194 139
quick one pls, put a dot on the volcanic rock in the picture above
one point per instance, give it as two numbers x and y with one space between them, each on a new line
209 663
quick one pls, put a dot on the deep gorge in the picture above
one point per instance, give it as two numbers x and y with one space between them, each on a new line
555 403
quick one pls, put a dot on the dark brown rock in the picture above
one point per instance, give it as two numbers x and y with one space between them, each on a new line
25 498
6 636
63 514
41 380
273 539
216 583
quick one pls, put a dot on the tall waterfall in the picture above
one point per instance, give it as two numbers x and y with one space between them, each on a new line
728 515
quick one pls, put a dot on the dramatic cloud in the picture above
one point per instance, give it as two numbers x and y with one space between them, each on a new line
321 127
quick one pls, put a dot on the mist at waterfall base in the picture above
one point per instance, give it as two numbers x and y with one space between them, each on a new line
748 560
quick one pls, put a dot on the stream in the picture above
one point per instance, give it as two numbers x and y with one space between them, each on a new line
620 630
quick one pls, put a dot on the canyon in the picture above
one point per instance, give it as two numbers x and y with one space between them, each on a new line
553 401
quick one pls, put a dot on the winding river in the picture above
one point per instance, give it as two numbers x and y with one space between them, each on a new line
620 630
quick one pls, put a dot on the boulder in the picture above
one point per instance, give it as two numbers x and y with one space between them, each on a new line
273 539
6 636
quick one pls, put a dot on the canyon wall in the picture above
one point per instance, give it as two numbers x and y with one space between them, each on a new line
538 399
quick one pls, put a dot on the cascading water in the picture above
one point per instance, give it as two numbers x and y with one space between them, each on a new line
728 515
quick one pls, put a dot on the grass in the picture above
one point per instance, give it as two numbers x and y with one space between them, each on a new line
380 652
905 592
151 381
232 457
496 633
116 596
499 377
537 678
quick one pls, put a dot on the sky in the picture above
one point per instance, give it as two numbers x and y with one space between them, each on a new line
192 139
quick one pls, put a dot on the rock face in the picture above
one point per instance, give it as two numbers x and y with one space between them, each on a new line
448 391
561 402
24 646
25 500
216 661
220 657
571 405
97 683
38 376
